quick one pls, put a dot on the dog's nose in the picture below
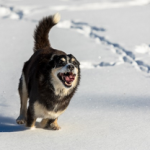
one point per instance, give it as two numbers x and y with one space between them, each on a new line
70 67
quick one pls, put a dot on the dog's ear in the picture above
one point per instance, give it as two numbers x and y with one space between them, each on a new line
52 61
52 57
71 56
78 62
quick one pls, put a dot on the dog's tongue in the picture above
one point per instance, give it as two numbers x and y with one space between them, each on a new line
69 78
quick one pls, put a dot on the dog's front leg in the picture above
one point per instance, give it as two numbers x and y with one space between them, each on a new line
31 119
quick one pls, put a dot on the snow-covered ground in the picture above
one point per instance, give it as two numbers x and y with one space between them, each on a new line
111 39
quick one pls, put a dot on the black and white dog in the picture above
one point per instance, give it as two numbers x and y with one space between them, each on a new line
49 79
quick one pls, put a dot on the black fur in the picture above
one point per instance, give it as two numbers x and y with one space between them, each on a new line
41 33
37 72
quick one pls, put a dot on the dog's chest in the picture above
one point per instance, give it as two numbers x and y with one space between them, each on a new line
41 112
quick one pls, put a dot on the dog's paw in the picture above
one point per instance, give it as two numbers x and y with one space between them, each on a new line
56 18
54 127
21 119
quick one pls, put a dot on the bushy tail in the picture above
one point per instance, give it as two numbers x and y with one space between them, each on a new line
42 29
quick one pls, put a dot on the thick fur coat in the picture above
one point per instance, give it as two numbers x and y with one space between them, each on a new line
49 80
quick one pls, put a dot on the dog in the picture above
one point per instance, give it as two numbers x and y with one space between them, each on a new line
49 80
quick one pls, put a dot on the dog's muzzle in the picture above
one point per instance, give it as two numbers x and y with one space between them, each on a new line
67 78
70 68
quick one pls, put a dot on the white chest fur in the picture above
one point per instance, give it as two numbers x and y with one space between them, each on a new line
41 112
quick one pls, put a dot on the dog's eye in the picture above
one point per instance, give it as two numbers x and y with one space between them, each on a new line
62 62
75 63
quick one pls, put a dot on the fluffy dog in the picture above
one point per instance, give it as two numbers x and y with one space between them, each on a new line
49 79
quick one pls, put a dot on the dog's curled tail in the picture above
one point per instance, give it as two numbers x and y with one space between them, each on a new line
42 29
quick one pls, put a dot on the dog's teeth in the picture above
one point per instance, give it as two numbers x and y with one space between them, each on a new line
67 83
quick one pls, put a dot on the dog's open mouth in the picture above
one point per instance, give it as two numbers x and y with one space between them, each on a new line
67 78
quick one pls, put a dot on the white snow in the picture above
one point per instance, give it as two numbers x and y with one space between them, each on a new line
143 48
102 5
111 109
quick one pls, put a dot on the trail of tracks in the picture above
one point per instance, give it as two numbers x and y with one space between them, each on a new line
93 32
124 55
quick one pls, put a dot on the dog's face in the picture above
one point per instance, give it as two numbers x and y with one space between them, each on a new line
65 72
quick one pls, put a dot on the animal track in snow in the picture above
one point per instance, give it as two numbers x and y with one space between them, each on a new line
10 12
92 32
125 56
90 65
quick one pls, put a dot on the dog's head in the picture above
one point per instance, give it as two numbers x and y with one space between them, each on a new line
65 73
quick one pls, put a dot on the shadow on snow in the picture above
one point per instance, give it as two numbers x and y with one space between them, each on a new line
8 124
